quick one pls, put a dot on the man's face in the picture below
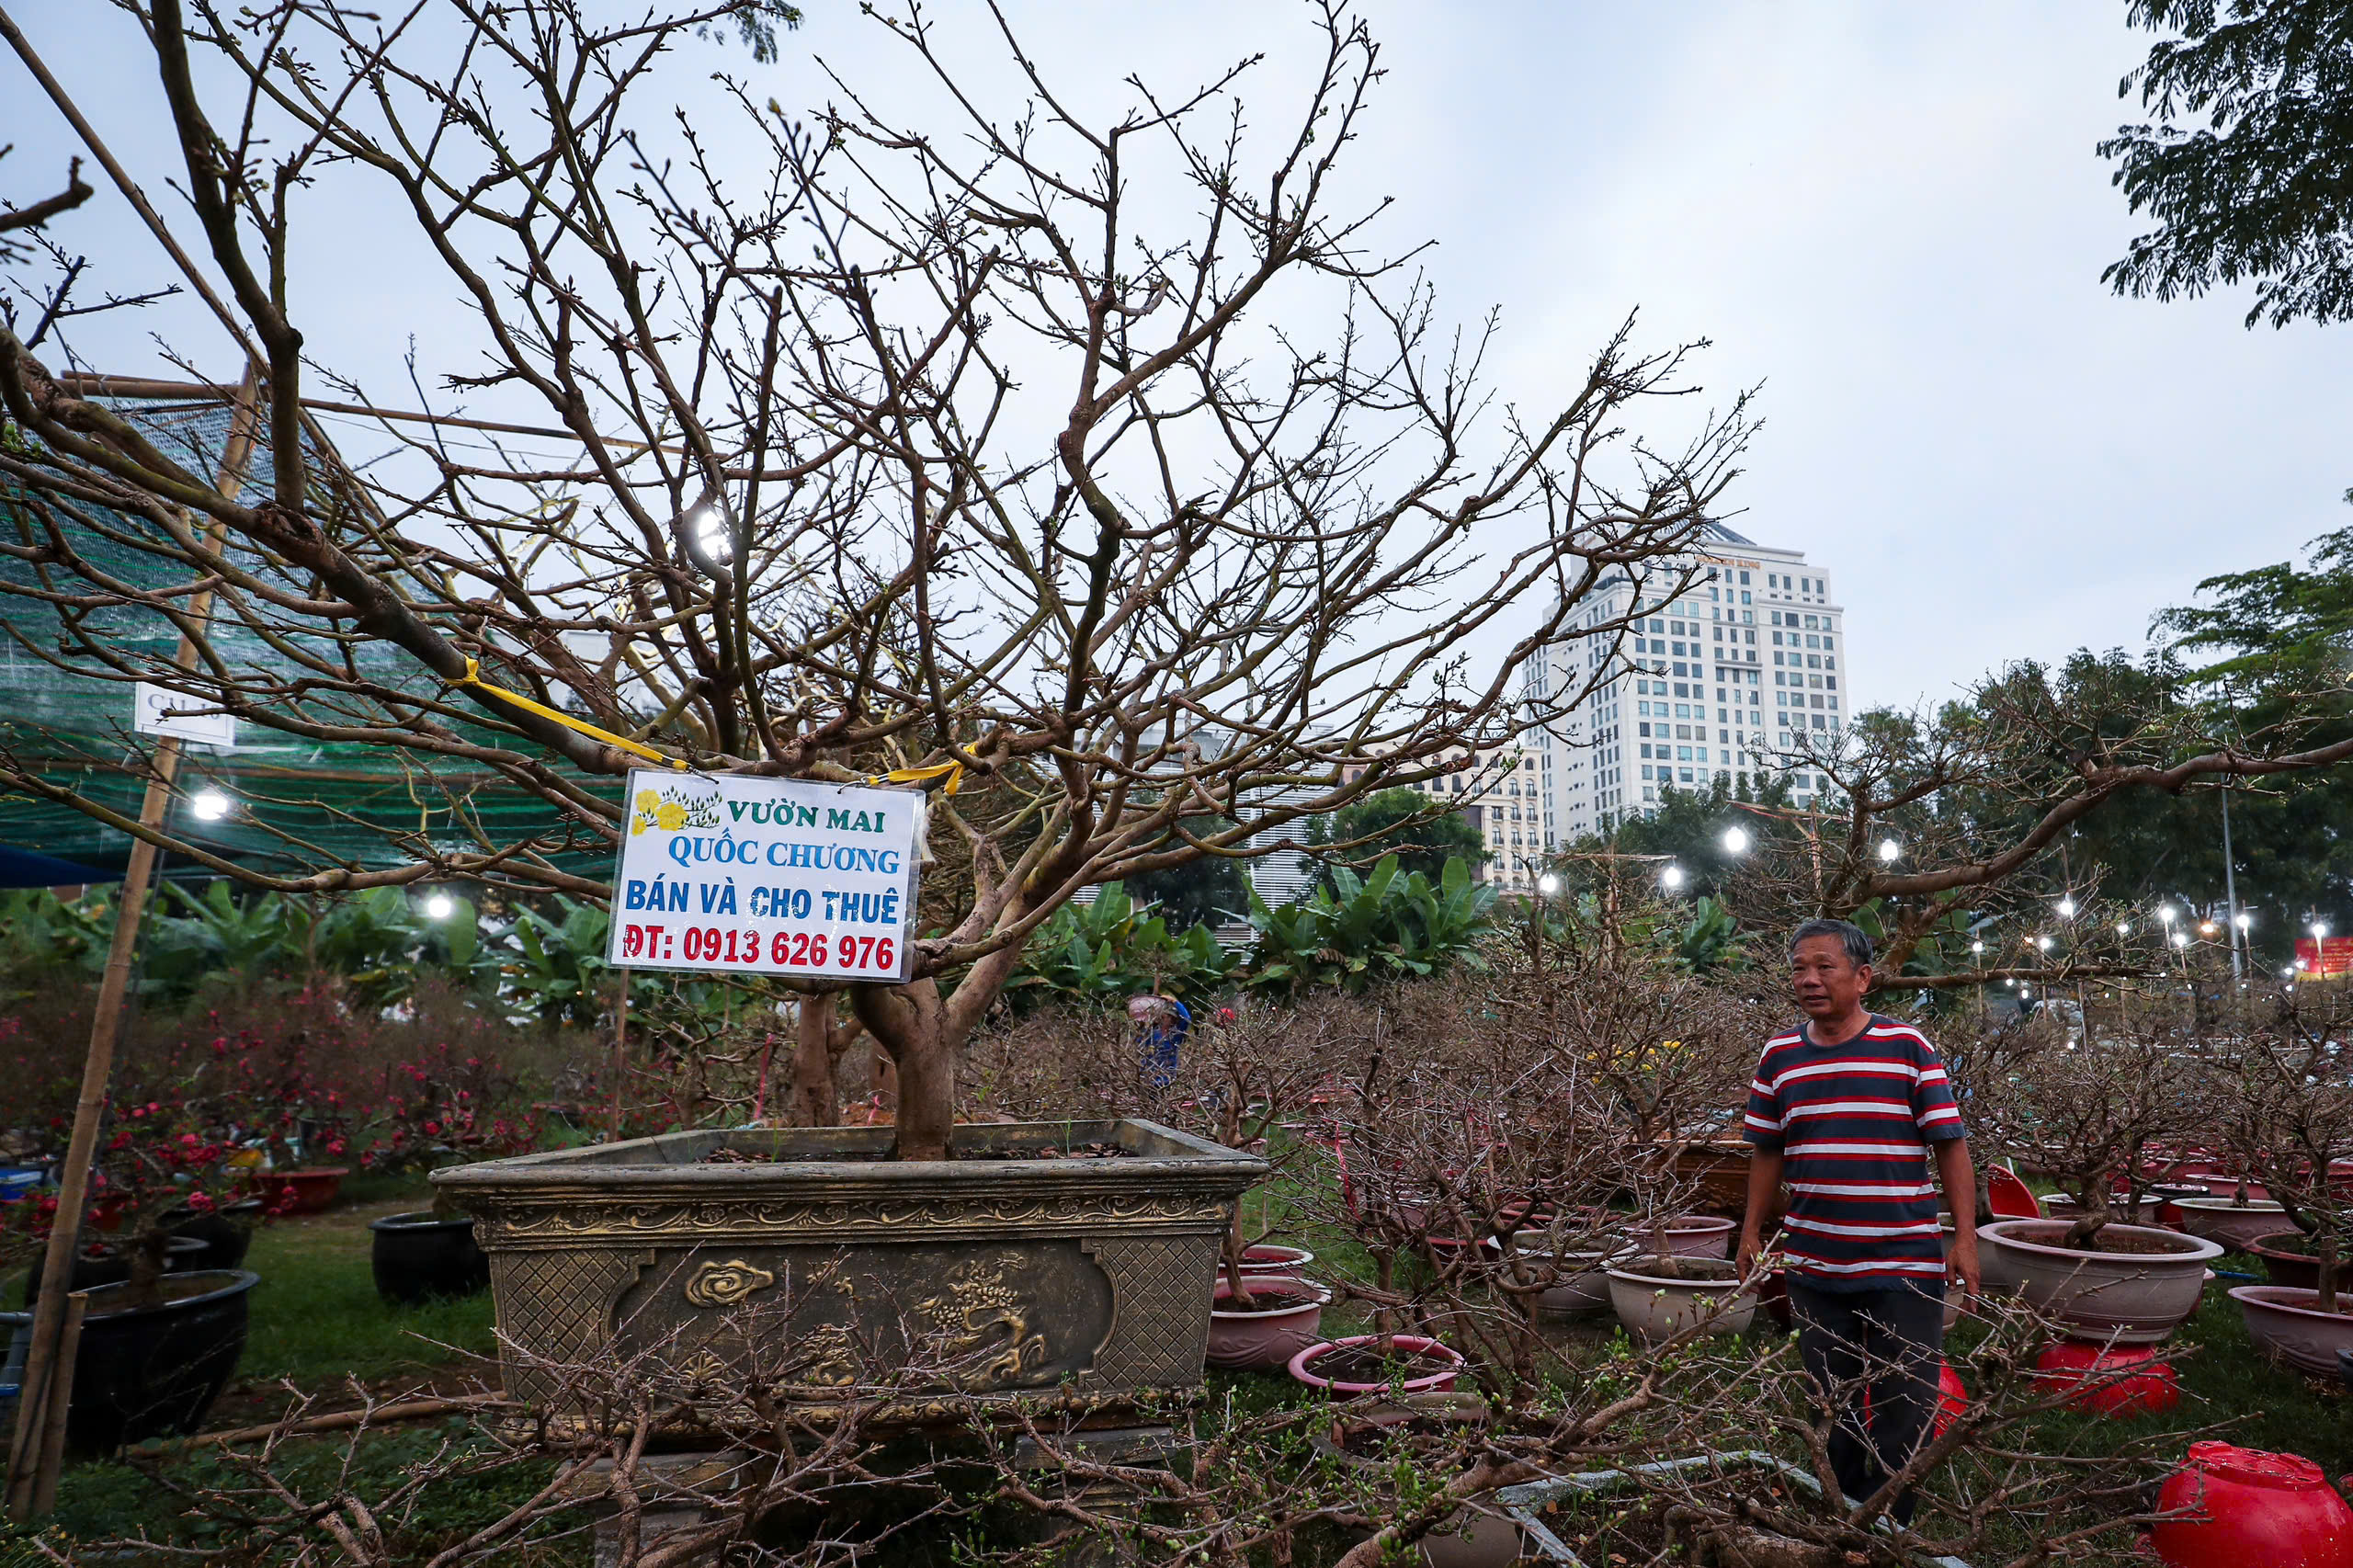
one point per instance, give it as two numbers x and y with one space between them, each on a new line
1827 983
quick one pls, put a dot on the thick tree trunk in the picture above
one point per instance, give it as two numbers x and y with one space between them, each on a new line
922 1036
816 1094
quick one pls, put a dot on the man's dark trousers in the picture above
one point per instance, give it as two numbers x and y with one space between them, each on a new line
1891 1341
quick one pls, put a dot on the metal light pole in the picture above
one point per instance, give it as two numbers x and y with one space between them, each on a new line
2231 895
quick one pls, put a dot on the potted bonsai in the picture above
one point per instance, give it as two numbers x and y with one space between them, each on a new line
2289 1109
2091 1113
437 1111
158 1348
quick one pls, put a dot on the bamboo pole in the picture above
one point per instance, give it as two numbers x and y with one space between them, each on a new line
620 1056
59 1406
50 1357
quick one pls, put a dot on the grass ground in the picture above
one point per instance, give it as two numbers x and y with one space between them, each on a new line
318 1322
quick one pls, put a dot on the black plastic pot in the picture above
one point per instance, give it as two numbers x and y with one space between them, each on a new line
421 1255
153 1371
102 1263
226 1231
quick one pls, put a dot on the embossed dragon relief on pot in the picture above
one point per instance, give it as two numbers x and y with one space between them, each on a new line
807 1325
507 1221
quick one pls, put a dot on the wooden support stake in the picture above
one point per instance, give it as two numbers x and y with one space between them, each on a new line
620 1056
49 1360
59 1407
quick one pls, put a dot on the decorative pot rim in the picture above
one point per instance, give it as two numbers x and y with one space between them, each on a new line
2199 1252
1295 1257
1453 1358
1321 1291
2268 1296
1733 1286
1184 1165
420 1219
240 1281
2231 1206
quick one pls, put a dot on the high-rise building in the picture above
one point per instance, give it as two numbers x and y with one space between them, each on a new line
1714 677
1505 793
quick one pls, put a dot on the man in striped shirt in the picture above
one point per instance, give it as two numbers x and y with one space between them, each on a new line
1848 1106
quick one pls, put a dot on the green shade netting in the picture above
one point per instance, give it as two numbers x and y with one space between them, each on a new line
301 804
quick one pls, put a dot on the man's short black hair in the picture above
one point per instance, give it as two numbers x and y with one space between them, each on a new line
1850 936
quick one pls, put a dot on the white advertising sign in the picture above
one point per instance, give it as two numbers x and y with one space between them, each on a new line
766 876
158 711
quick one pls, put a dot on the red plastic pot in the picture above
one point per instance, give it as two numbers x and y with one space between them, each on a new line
2149 1391
305 1191
2242 1507
1953 1399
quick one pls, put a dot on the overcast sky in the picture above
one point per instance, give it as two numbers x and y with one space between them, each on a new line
1891 217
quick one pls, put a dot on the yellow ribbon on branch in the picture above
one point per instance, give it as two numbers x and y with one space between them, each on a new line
472 677
952 772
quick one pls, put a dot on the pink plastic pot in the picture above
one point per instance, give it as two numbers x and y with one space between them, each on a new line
1302 1366
1265 1341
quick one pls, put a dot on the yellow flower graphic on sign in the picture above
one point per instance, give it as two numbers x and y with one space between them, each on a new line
670 812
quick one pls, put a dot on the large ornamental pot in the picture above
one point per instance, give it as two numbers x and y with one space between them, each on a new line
1288 1319
419 1256
1478 1534
806 1261
153 1371
2140 1288
1658 1298
2233 1507
2232 1223
2288 1257
2288 1323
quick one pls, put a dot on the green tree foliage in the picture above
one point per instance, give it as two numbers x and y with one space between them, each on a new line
1110 949
2245 163
1415 827
1389 925
1689 827
1205 891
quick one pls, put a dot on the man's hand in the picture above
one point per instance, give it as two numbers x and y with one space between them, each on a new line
1750 1245
1960 1262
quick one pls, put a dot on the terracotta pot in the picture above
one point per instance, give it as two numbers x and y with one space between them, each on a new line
1267 1258
1583 1283
1686 1235
1655 1307
2220 1220
2283 1320
2112 1297
1478 1535
2123 1382
1449 1361
1266 1341
305 1191
2235 1507
2286 1257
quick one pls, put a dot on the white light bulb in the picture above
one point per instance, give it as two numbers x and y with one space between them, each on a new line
209 805
1671 879
440 907
2124 927
1547 884
1735 840
2181 939
2164 912
2243 920
1889 850
1976 947
2066 909
2043 942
